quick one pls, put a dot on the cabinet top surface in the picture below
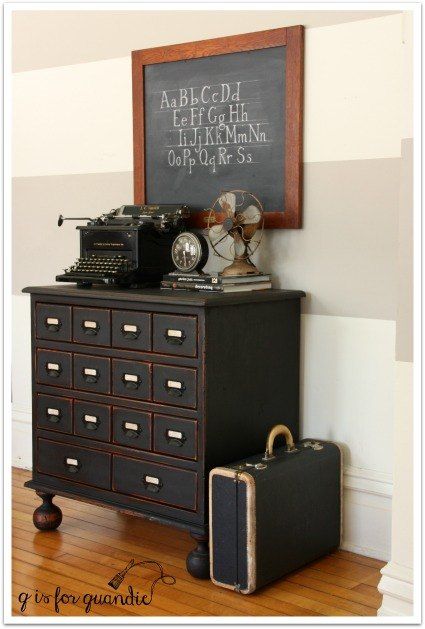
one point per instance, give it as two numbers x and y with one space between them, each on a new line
156 295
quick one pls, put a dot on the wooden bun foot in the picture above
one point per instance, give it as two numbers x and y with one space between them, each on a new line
47 516
198 560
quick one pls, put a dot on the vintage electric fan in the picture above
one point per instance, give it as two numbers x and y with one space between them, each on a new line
235 228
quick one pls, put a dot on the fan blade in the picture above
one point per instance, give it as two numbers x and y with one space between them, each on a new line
214 243
251 215
215 231
228 203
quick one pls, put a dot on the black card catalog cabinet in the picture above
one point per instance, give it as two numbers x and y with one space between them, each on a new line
138 394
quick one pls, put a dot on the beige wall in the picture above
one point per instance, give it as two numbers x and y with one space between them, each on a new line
72 154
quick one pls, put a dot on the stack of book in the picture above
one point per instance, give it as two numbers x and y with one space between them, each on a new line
215 283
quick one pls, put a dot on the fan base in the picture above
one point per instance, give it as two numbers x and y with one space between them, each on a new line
240 267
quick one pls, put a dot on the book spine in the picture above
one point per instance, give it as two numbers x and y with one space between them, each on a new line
182 279
209 288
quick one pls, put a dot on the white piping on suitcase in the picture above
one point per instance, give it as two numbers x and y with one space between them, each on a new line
251 527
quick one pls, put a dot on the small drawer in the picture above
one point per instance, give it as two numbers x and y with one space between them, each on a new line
92 420
151 481
131 330
175 436
92 373
91 326
174 385
131 379
53 322
54 368
54 413
132 428
80 465
173 334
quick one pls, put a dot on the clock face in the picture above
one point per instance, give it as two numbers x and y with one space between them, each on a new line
188 252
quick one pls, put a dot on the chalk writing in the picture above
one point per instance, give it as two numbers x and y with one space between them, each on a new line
213 125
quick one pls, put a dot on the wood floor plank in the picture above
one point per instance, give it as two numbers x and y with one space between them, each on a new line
361 559
371 593
143 575
337 596
83 548
125 524
311 604
344 568
93 543
28 497
327 578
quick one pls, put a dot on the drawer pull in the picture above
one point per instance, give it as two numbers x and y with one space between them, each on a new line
130 331
90 328
131 381
53 324
73 465
53 415
174 387
131 429
175 337
90 375
91 422
152 483
54 370
175 437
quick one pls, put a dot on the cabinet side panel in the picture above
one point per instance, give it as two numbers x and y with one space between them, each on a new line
252 377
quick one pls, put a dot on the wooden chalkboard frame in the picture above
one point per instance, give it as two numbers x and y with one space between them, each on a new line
292 38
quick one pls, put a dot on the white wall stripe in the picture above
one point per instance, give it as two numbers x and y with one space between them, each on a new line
79 117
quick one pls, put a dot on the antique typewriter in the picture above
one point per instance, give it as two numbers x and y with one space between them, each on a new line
128 246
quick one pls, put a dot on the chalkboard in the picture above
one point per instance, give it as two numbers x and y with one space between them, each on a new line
205 122
216 124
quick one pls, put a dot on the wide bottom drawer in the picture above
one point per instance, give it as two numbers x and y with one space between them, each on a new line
159 483
81 465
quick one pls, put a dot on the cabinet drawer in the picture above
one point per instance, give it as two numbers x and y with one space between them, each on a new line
54 413
80 465
131 330
132 428
92 373
91 326
54 368
175 436
53 322
174 385
151 481
131 379
92 420
174 334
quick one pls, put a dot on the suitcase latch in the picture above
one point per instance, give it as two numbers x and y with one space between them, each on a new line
314 445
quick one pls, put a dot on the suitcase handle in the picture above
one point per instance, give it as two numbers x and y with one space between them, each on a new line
279 429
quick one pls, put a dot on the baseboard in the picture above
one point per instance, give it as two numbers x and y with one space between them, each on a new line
367 496
396 586
21 439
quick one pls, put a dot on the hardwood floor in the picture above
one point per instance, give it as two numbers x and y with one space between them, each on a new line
93 544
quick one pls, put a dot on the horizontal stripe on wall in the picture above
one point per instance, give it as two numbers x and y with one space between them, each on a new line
78 118
73 119
43 39
343 258
348 378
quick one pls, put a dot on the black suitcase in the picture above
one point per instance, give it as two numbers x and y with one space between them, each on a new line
272 513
